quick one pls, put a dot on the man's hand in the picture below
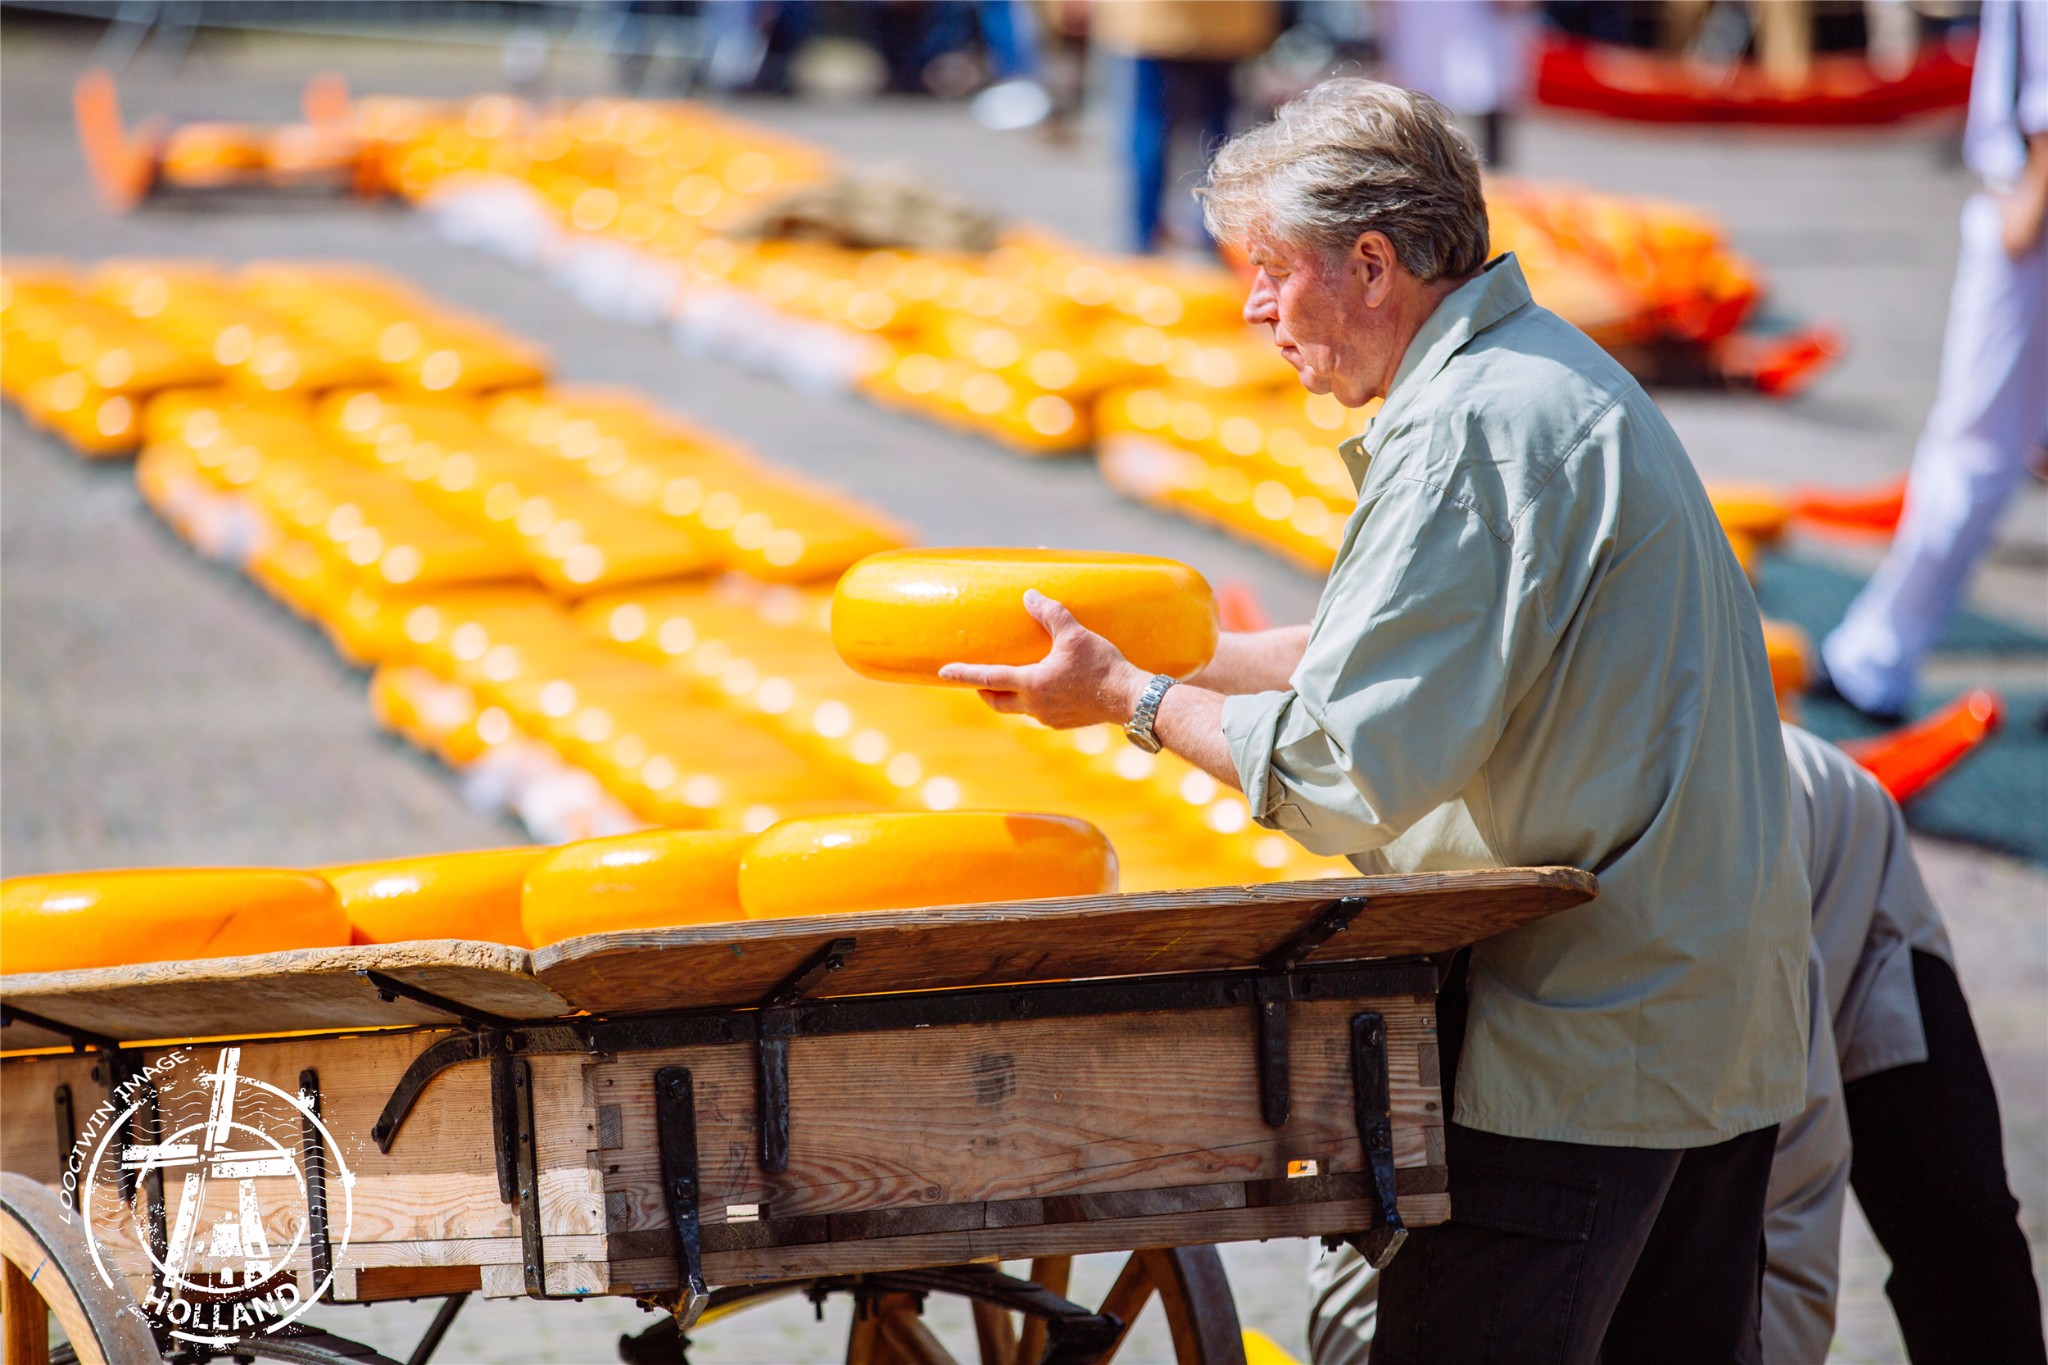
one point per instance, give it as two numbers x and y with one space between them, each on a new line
1084 680
2024 210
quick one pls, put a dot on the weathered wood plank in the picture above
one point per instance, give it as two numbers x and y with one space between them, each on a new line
1072 938
1039 1110
307 989
412 1282
957 1248
28 1094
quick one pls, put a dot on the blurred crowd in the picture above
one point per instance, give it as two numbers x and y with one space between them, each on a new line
1178 75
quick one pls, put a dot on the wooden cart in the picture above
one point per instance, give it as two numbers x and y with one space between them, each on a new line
886 1104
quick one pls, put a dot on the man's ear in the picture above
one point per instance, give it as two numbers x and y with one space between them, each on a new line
1373 257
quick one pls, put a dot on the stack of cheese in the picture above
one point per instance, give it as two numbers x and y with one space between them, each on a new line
80 368
527 897
1017 343
600 615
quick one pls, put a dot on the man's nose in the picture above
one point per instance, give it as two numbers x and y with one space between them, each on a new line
1261 305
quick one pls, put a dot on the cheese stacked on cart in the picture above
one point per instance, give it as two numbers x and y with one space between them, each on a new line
601 616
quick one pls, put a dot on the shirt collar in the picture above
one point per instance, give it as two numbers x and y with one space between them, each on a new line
1498 290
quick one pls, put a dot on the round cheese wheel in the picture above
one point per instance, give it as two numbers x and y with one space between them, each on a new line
903 615
105 919
646 880
445 895
1761 513
829 864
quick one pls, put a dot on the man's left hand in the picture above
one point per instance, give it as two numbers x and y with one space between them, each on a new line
1083 680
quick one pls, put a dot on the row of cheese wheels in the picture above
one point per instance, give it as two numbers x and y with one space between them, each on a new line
1017 342
440 495
1265 466
527 897
527 685
364 509
83 350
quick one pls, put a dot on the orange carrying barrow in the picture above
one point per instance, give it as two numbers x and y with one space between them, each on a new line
129 164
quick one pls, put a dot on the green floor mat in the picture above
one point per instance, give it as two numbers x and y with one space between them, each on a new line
1814 595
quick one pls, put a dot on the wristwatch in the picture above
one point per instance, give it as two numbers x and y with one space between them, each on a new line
1138 729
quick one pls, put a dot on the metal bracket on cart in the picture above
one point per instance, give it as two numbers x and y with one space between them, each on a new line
82 1040
1372 1093
1271 992
675 1128
313 1161
506 1044
775 1025
390 988
1073 1335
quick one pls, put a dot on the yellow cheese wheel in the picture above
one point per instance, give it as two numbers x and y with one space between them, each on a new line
444 895
1760 513
105 919
829 864
646 880
903 615
1790 652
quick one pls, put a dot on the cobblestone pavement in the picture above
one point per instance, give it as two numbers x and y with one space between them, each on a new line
157 710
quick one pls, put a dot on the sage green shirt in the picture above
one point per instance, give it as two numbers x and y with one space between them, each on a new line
1536 647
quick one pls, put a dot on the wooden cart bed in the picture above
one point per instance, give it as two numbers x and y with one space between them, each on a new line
839 1094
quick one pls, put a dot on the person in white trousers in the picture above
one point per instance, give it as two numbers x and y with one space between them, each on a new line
1900 1107
1991 407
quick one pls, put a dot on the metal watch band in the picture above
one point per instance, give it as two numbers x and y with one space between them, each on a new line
1138 729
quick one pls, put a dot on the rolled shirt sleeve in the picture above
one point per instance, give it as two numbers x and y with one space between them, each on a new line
1406 682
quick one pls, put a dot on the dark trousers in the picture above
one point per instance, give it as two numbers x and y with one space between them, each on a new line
1569 1253
1166 96
1929 1171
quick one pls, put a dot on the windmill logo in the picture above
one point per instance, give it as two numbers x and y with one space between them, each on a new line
242 1208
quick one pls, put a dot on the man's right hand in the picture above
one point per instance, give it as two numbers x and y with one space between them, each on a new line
1252 661
2023 211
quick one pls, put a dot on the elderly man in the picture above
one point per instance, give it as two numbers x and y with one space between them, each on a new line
1535 647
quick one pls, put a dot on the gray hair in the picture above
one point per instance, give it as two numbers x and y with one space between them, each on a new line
1354 156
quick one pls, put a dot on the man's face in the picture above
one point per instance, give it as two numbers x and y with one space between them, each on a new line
1316 305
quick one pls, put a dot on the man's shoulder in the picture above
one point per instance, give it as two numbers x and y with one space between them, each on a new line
1549 367
1493 425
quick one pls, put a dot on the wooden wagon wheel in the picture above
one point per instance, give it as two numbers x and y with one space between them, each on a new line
48 1270
889 1328
1189 1282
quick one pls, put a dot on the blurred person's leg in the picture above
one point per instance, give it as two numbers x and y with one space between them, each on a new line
789 28
1146 133
735 41
1062 30
1212 93
1493 138
1988 411
1343 1307
1929 1172
1803 1208
1010 36
945 26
